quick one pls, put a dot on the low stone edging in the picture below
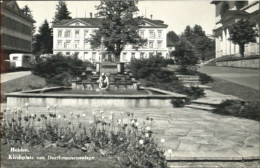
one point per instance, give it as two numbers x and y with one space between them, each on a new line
238 62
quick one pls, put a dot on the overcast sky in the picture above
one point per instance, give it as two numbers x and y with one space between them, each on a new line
176 13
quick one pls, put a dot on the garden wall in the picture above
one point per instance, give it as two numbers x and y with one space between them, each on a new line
240 62
90 101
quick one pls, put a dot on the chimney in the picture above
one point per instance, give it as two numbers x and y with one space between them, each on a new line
90 14
151 17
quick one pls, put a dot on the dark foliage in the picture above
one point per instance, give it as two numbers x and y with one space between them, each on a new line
248 109
152 73
59 69
178 102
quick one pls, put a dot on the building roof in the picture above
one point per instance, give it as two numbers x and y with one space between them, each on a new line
232 14
95 22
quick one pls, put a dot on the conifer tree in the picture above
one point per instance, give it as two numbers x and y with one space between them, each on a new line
62 12
44 39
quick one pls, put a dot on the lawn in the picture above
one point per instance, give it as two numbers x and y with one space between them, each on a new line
229 88
23 83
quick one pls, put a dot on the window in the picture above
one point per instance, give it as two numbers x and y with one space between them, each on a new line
142 33
85 44
150 54
132 55
76 54
67 53
15 58
124 57
85 33
142 55
151 33
67 33
76 44
159 33
77 23
150 44
59 33
94 54
77 33
159 44
59 44
67 44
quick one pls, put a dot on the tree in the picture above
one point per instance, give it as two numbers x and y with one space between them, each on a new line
62 12
172 36
44 39
242 32
188 31
185 54
118 26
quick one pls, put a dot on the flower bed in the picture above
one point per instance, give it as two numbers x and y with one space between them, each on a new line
123 136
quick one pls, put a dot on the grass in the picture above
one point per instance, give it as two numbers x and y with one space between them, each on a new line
37 151
229 88
23 83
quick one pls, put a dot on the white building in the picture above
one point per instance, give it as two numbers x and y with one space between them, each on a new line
227 12
71 37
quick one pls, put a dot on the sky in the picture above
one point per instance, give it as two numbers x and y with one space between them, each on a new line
177 14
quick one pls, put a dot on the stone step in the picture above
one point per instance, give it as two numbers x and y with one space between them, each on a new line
191 82
200 106
189 79
187 76
201 86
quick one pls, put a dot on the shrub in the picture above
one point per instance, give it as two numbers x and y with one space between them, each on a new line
249 109
194 92
178 102
59 69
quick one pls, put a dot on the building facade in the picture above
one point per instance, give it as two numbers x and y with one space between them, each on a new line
70 37
16 30
227 13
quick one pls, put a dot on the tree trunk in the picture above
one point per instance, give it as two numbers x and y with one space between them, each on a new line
242 49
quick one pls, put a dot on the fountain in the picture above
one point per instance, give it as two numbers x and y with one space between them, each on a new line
122 90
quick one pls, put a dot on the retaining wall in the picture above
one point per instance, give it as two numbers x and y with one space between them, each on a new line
240 63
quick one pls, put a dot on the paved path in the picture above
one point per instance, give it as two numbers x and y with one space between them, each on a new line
13 75
246 77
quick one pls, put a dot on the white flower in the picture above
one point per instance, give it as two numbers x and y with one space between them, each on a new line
169 151
7 109
27 104
90 122
59 116
27 112
141 142
48 107
101 112
121 139
136 124
112 113
84 115
32 115
55 105
94 112
162 140
147 135
132 121
122 112
102 117
148 128
119 121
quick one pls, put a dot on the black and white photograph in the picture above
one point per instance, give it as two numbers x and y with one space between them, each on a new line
130 84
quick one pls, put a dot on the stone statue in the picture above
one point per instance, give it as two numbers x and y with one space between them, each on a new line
103 82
